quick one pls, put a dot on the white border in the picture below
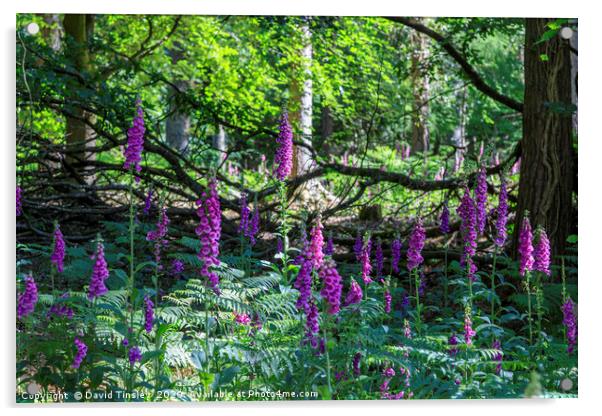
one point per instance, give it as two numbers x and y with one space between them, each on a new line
589 179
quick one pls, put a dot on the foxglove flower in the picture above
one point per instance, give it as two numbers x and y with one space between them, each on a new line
444 220
303 284
148 202
312 325
242 318
149 315
354 295
569 320
415 245
405 301
525 247
82 351
358 246
453 342
209 231
541 253
60 310
329 249
316 245
467 213
469 333
134 355
379 259
133 150
100 273
333 286
395 255
388 300
356 364
502 216
58 253
365 261
177 266
497 345
28 299
389 372
407 331
422 285
158 236
244 215
253 227
481 200
19 202
284 153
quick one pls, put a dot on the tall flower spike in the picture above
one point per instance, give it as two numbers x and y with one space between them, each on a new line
481 200
379 259
469 333
316 245
444 220
19 203
569 320
467 213
148 202
158 236
134 355
356 364
303 284
244 215
502 216
149 315
497 345
329 249
253 228
365 260
358 245
354 295
453 342
133 150
331 291
525 246
100 273
82 351
58 253
284 153
209 231
28 299
415 245
312 325
395 255
541 253
388 300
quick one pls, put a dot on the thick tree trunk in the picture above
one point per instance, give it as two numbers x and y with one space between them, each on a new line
547 165
177 124
420 85
52 32
79 134
303 92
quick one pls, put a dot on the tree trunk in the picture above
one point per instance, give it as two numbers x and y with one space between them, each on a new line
420 86
52 32
177 124
79 134
546 178
302 92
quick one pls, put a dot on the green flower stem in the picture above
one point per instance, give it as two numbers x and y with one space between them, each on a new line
493 286
446 281
417 284
529 317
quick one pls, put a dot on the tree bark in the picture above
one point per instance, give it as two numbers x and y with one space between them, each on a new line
547 163
302 92
177 124
79 135
420 85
